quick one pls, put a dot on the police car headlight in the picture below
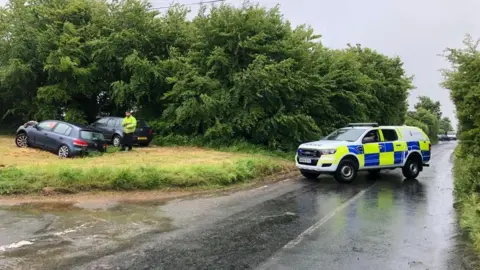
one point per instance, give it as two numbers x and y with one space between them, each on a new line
328 151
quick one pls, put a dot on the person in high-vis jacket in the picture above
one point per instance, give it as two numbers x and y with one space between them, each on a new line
129 125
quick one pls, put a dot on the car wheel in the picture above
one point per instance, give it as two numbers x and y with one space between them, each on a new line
117 141
63 151
310 175
346 171
412 168
21 140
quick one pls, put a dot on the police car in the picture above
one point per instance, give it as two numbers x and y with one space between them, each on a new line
365 147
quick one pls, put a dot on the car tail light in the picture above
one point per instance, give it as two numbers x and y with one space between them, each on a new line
429 147
150 131
80 143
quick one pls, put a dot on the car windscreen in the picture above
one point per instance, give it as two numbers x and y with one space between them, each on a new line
345 134
91 135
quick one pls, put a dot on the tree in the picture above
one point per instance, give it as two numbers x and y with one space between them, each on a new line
430 123
445 125
429 105
425 117
463 82
228 74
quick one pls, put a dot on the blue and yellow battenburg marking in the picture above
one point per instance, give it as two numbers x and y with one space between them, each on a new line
385 153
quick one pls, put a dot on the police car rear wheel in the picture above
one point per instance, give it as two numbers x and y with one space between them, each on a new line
310 175
411 169
346 172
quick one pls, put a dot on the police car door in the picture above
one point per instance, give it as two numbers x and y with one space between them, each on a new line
391 148
371 148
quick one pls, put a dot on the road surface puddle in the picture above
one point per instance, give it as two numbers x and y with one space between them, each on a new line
51 234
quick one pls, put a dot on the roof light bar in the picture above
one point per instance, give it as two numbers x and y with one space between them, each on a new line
362 125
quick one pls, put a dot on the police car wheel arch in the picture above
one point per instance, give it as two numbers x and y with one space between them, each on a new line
352 158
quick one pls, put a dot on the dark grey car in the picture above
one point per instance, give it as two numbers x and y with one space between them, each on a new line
112 130
64 139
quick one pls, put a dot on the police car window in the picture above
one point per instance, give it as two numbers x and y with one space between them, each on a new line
389 135
373 134
345 134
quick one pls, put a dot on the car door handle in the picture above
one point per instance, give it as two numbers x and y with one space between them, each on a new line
398 145
61 138
46 134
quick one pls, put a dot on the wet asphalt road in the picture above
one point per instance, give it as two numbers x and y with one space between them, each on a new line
383 223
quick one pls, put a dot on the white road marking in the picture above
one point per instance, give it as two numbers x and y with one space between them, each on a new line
322 221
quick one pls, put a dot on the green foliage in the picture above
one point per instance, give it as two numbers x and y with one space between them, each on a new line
467 188
427 117
463 82
230 74
445 125
429 105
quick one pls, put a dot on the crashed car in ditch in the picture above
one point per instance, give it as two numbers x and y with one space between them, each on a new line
64 139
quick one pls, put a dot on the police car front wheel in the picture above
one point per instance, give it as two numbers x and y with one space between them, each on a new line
346 171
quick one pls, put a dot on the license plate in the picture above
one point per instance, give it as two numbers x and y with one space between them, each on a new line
305 160
142 138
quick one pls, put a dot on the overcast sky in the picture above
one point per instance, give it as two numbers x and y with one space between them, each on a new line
415 30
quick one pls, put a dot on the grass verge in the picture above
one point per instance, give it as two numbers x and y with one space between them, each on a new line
24 171
235 147
467 188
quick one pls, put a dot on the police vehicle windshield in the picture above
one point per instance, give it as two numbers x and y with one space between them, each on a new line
345 134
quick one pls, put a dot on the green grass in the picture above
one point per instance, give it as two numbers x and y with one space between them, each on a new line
235 147
31 180
467 188
27 171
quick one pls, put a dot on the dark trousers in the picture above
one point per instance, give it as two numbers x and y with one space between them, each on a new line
127 141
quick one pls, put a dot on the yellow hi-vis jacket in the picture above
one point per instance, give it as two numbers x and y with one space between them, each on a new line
129 124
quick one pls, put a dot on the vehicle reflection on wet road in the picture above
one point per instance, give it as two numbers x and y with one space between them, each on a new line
383 223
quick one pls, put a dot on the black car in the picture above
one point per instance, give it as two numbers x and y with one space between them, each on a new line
65 139
112 130
443 137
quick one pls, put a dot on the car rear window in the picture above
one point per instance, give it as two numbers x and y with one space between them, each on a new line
142 123
91 135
